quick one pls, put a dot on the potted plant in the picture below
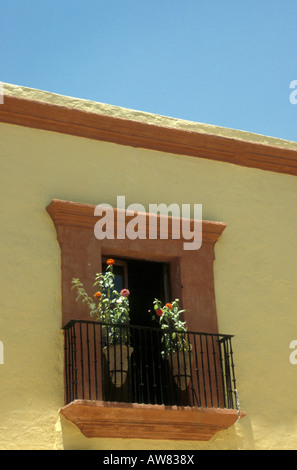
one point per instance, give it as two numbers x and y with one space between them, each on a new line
110 308
175 346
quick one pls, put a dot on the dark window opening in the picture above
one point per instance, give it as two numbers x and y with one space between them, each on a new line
146 280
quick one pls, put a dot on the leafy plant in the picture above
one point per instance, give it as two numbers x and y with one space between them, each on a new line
109 306
174 336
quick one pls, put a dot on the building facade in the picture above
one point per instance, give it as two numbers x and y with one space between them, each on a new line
62 159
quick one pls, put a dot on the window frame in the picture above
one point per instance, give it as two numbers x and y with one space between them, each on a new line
191 272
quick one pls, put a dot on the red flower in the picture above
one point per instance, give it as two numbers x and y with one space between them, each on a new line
159 312
110 262
169 306
125 292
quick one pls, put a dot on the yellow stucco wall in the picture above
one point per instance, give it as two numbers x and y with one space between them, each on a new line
255 276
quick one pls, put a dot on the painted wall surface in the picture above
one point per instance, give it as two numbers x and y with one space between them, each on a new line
255 276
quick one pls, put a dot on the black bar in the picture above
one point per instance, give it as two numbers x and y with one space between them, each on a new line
95 361
233 377
82 362
220 342
67 367
89 364
203 371
215 371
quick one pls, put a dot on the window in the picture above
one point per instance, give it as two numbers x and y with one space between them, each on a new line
170 272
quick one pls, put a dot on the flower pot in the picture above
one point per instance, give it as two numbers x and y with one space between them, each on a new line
118 359
181 363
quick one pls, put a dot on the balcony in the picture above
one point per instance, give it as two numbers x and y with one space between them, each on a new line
135 391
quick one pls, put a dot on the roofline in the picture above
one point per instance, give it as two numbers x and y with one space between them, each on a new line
57 113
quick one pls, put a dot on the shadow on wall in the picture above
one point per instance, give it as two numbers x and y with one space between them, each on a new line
238 437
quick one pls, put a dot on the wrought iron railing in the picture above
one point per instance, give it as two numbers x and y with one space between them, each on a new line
200 375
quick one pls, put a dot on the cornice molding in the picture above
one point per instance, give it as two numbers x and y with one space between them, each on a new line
81 216
147 135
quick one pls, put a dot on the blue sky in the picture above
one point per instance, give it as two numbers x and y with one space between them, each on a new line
222 62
